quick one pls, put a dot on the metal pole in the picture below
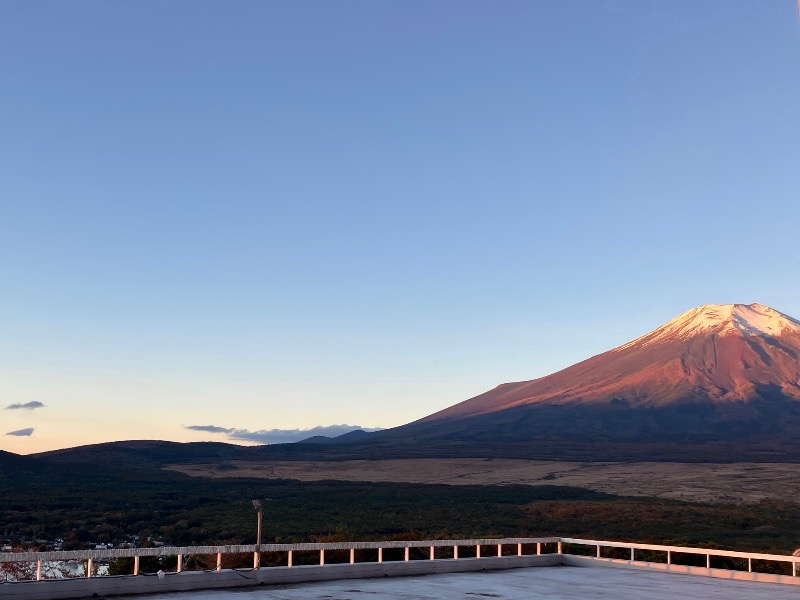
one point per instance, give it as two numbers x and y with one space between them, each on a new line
257 554
258 535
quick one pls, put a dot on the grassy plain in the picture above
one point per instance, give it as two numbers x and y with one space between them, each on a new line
697 482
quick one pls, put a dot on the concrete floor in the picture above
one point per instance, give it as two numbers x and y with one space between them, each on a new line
551 583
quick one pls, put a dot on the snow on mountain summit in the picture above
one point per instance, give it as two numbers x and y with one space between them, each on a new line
750 319
746 319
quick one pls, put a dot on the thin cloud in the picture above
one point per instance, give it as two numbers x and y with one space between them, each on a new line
278 436
22 432
26 406
209 428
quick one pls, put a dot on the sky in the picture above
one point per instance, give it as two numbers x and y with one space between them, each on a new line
255 221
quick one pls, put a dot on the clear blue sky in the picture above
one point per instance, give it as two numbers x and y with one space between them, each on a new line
266 215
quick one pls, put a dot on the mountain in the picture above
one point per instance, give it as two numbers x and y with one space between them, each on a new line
9 460
16 468
720 378
350 436
716 353
146 453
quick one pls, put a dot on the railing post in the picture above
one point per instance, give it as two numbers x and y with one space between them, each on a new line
749 565
632 554
219 562
538 548
499 549
380 555
477 551
559 547
669 557
322 557
256 560
598 550
289 560
136 565
519 549
88 567
708 560
406 554
455 552
180 563
433 553
794 569
38 570
352 555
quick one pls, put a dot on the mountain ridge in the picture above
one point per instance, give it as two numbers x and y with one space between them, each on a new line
716 383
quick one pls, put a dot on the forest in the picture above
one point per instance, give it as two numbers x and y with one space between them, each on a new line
87 505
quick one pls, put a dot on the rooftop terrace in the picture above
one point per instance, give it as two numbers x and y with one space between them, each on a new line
564 583
553 567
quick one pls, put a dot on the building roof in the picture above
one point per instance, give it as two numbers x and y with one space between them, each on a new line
565 583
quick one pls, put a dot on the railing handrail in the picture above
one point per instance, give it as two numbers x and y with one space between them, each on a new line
682 549
249 548
77 555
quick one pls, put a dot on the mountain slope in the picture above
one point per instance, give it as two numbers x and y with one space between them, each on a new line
724 375
715 353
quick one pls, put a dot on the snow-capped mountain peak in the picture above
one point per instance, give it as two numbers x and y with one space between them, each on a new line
749 319
745 319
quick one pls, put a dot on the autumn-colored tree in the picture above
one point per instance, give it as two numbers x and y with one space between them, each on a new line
23 571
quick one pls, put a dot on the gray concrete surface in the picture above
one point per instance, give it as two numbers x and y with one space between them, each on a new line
106 587
562 583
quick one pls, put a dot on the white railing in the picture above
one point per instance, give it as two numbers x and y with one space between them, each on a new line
484 548
89 557
671 551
